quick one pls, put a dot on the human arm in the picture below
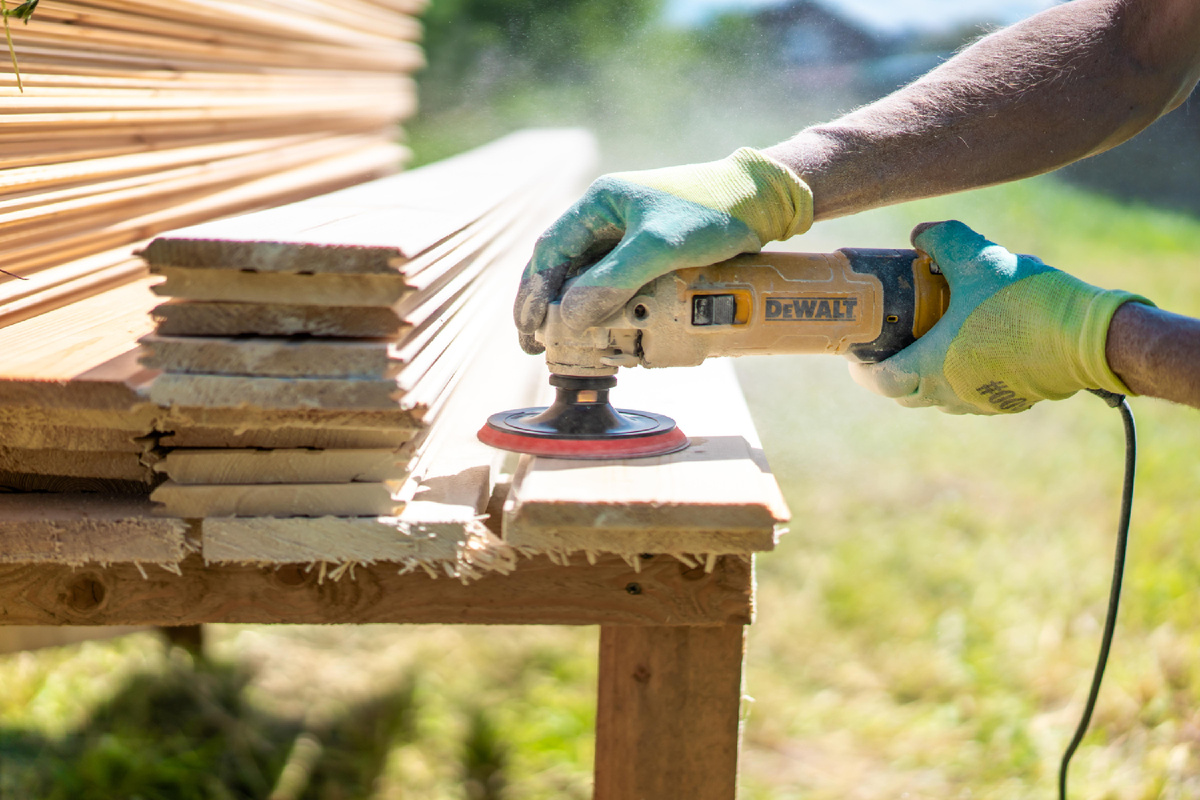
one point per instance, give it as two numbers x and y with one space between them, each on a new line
1070 82
1156 353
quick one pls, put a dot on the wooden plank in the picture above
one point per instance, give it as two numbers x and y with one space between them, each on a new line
279 500
42 178
717 496
189 28
232 466
67 213
31 436
394 422
668 712
376 227
105 396
538 591
70 282
299 357
68 343
353 541
248 17
173 52
57 485
182 318
232 391
286 437
125 466
280 287
81 529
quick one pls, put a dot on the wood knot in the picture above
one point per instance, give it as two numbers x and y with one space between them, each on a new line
85 593
641 674
292 575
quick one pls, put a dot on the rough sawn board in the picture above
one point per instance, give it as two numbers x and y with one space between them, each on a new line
716 497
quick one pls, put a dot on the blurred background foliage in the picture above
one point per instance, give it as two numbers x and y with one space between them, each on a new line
927 628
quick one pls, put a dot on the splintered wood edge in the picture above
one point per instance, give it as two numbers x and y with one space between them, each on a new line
461 549
88 529
538 591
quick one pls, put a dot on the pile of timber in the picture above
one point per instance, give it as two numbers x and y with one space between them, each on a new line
306 352
330 358
134 117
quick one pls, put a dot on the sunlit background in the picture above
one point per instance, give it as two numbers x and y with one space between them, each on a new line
927 627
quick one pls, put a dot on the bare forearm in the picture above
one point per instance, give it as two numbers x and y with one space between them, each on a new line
1156 353
1065 84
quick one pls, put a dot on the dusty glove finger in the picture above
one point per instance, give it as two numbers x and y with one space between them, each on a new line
530 345
583 234
648 251
613 280
596 295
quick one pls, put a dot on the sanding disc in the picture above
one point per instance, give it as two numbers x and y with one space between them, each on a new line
634 434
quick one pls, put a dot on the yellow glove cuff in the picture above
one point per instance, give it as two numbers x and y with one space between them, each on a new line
782 204
768 197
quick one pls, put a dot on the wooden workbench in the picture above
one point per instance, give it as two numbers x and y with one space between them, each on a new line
672 617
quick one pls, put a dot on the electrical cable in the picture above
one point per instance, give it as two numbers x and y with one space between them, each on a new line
1119 402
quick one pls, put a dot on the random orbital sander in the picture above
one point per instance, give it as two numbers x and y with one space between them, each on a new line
865 304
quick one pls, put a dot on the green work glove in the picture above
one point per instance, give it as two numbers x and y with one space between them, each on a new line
1016 332
631 227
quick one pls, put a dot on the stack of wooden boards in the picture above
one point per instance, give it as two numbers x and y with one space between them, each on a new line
139 116
309 359
306 350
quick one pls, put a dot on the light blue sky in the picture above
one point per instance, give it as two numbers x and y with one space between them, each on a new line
886 15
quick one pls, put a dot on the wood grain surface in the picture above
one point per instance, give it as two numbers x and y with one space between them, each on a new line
716 496
668 712
663 592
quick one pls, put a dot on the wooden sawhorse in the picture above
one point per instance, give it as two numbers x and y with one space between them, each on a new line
671 639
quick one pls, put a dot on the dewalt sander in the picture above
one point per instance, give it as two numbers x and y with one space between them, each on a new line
862 303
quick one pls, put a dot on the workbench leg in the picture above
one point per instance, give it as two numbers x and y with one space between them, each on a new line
668 714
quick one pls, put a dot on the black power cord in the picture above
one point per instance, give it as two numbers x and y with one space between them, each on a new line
1116 401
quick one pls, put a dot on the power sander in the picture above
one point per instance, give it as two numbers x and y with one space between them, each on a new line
865 304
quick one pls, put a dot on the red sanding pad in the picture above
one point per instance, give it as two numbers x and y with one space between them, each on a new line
643 435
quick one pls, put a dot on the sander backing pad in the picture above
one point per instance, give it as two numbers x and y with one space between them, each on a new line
582 424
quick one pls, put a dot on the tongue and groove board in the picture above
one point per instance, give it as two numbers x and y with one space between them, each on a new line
347 499
133 118
201 466
78 529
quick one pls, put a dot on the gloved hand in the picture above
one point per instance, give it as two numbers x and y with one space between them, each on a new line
631 227
1016 332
